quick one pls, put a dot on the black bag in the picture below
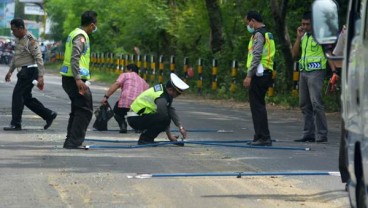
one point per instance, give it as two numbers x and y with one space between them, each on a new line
103 115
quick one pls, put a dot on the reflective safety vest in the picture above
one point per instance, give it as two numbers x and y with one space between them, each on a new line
145 102
313 57
84 60
268 51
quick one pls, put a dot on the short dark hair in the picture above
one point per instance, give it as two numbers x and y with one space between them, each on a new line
88 17
17 22
169 84
254 15
307 15
133 67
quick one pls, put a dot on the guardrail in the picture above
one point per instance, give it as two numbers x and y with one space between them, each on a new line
116 63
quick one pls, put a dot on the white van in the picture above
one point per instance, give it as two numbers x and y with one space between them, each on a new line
354 86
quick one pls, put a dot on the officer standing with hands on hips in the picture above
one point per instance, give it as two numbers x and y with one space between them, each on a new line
27 56
75 73
152 111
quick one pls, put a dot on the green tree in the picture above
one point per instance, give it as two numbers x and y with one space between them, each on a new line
187 28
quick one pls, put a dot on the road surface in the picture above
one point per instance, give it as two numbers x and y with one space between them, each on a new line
35 170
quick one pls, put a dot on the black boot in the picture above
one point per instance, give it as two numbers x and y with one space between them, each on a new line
143 140
122 123
123 127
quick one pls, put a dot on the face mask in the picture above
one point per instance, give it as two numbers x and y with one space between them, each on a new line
250 30
94 30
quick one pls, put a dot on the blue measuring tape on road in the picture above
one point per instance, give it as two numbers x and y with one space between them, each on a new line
204 141
131 146
188 130
209 143
252 146
237 174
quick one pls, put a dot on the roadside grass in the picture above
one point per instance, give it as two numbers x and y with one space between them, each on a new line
96 75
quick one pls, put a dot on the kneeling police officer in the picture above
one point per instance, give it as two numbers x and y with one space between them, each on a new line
152 111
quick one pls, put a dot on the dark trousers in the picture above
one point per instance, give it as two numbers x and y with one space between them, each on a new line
81 112
119 115
22 96
151 125
257 93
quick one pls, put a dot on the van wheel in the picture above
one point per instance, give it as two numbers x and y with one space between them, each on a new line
361 193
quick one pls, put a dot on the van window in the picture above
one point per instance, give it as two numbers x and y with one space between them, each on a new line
358 18
354 27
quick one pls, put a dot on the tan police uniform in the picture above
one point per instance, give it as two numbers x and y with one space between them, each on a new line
27 54
28 57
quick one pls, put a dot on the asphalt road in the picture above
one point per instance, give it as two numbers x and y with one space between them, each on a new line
35 171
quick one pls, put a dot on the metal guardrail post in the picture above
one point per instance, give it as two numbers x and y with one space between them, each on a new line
294 92
234 73
161 69
153 69
271 89
214 74
145 68
172 64
185 69
200 78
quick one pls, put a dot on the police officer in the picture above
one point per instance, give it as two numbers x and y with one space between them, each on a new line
27 56
312 65
152 111
261 51
75 73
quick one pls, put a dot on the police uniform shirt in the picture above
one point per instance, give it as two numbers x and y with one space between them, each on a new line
78 47
27 52
165 109
258 44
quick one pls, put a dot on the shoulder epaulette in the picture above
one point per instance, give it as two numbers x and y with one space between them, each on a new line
29 36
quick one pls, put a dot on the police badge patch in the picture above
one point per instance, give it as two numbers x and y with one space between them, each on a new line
157 87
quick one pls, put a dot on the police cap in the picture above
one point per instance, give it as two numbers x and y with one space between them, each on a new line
178 84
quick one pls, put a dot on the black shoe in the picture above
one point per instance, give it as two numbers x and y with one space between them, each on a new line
305 139
255 139
122 125
143 142
50 120
74 147
180 144
261 142
137 131
123 131
12 128
322 140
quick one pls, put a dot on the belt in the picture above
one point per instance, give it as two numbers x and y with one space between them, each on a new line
30 66
267 72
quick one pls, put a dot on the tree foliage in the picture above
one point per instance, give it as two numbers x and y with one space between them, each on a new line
186 28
